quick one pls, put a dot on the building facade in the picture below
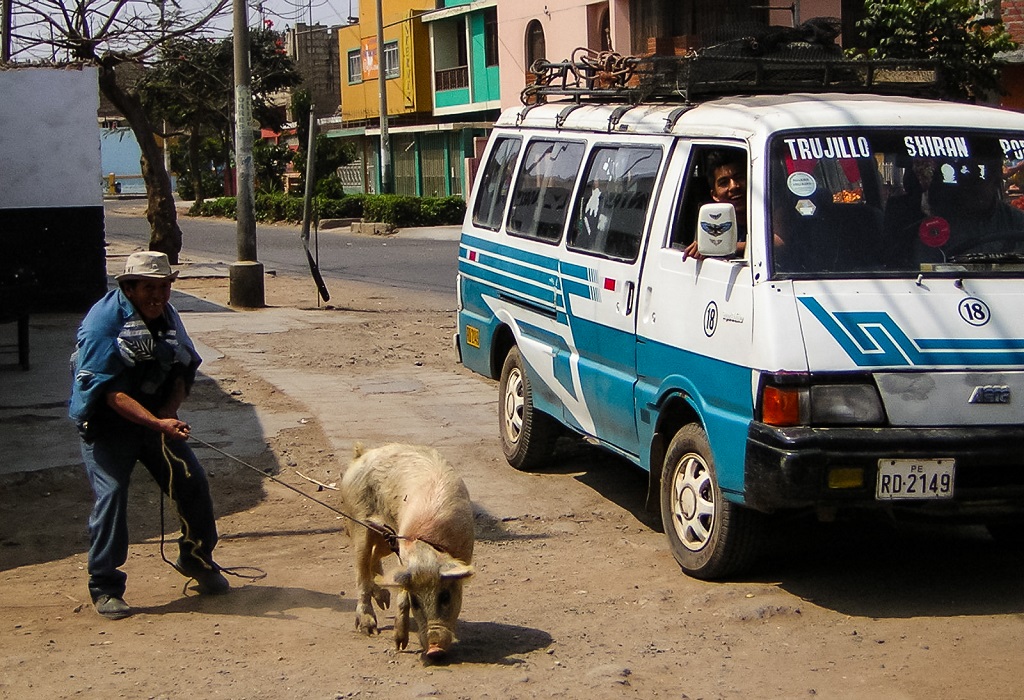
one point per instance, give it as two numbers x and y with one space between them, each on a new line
314 51
403 64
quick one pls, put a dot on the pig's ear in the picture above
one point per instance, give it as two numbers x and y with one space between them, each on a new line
456 569
399 578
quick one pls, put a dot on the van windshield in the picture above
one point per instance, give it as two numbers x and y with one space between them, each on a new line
896 202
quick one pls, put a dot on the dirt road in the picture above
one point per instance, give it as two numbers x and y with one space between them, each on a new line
575 596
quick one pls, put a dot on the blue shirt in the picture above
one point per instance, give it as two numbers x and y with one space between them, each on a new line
116 351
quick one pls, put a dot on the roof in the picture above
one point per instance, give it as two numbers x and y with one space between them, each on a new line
746 116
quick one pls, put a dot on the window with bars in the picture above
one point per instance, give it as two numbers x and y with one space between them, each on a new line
391 65
355 67
491 36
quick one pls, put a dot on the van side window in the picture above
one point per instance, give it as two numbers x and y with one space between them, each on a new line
489 208
540 199
697 190
611 208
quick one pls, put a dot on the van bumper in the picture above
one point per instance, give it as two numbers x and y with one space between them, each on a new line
789 467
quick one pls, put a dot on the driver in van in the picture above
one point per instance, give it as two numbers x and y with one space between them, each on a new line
727 179
965 195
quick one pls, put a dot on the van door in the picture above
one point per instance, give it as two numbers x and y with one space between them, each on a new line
599 275
695 318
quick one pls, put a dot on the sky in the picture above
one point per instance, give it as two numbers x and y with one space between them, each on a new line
287 13
283 14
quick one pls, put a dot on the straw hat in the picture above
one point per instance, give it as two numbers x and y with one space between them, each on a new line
147 264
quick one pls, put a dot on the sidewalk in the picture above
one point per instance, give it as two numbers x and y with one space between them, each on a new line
351 403
35 430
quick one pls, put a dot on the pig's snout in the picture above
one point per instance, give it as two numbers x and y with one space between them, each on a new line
439 639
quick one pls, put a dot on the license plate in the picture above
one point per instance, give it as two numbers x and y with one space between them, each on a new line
910 479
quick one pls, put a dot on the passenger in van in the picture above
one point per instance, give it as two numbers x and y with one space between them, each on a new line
904 213
727 179
966 197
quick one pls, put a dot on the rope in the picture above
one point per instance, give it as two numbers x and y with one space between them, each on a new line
389 535
236 571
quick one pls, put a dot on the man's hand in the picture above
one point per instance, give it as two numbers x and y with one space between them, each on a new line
166 423
174 428
691 251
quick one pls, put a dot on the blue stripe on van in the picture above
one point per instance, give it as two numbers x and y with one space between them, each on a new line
501 265
587 290
720 392
482 244
543 277
874 339
580 290
560 358
543 295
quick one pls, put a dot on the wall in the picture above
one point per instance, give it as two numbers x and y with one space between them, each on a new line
1012 14
51 205
565 28
567 24
408 94
314 49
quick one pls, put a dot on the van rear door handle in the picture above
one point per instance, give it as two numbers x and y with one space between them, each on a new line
628 291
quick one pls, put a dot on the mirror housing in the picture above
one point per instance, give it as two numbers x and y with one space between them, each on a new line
716 230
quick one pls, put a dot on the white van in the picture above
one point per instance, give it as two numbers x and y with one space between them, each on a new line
861 346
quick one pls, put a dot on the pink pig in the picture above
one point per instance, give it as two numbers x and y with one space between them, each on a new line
416 493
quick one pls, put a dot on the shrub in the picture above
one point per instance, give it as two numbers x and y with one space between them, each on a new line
400 211
278 206
351 207
394 209
442 211
330 188
348 207
221 206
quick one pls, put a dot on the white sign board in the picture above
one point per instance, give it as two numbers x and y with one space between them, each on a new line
49 138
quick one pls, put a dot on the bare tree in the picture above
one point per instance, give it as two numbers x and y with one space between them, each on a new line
111 34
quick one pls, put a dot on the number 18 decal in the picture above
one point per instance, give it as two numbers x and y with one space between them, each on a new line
710 319
974 311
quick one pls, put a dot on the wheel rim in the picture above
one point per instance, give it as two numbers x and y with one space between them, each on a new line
514 402
692 502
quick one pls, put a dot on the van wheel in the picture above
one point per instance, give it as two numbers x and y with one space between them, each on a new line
709 536
527 435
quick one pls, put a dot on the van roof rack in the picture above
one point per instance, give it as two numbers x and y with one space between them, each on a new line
701 77
727 68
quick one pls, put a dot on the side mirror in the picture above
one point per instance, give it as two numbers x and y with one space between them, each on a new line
716 230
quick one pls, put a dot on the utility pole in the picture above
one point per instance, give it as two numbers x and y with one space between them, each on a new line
5 30
164 138
246 275
382 89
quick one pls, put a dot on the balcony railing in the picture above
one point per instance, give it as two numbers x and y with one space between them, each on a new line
452 78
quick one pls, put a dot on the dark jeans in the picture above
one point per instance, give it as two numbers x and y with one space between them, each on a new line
109 461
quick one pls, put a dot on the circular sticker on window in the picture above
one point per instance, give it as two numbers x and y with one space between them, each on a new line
934 231
802 184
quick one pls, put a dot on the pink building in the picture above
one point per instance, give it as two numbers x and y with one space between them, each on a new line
552 29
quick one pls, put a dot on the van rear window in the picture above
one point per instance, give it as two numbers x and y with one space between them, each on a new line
489 208
541 196
612 205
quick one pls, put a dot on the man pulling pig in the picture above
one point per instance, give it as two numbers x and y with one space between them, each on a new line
413 492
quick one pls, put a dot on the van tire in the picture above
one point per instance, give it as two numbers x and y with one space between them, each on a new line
710 537
527 435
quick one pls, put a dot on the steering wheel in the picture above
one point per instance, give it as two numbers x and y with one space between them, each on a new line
983 240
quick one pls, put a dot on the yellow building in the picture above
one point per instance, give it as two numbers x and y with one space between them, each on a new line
405 63
406 60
